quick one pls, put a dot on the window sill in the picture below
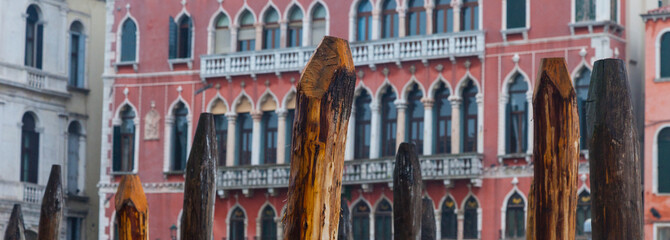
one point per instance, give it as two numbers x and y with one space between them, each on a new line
607 24
178 61
515 156
78 89
76 197
119 173
175 172
134 64
665 79
514 31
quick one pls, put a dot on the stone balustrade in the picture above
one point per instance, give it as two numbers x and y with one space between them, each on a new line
21 191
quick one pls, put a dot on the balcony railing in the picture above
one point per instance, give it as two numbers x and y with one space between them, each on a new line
355 172
21 191
369 53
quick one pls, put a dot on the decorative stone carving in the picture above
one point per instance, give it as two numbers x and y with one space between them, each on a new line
151 121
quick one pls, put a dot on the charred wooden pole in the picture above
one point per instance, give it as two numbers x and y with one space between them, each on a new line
555 154
15 228
530 221
132 211
344 230
324 99
52 206
407 189
198 216
428 227
614 159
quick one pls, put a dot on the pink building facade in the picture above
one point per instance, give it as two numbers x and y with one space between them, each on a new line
453 77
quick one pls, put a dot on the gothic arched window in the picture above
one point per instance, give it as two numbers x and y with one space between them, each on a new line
360 217
383 220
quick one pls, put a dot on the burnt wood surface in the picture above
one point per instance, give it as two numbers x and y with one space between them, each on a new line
407 189
132 211
428 227
15 229
198 216
323 105
344 230
51 213
555 153
616 191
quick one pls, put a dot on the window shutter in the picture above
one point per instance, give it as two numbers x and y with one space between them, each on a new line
172 39
80 64
516 14
116 149
508 134
189 42
663 162
38 54
665 55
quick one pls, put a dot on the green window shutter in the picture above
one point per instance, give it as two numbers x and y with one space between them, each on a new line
665 55
664 161
516 14
80 61
189 42
38 54
116 149
173 39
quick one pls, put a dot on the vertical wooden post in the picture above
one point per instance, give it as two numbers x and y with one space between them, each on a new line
198 216
407 189
324 99
344 230
15 228
428 228
52 206
556 153
614 159
132 211
530 221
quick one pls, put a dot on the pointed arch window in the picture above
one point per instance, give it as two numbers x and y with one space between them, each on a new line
221 129
180 37
415 113
243 139
294 27
364 21
271 29
363 126
389 19
77 49
443 16
663 159
269 130
383 220
470 219
583 211
416 18
470 15
585 10
268 224
516 14
246 35
389 122
442 115
179 137
517 116
448 222
222 34
318 23
515 219
361 221
73 136
124 141
582 90
237 226
128 41
469 119
665 55
30 145
34 37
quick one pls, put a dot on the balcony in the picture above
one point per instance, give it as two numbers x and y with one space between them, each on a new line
33 79
423 48
21 191
434 167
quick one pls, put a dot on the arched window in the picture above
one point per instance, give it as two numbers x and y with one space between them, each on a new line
128 41
30 146
271 29
470 219
470 15
318 23
124 141
180 37
442 115
389 121
516 14
383 220
269 130
77 49
179 137
663 159
443 16
360 217
389 19
294 27
585 10
237 219
246 35
244 134
363 127
583 211
448 220
665 55
364 21
268 224
515 219
469 119
416 18
517 116
221 129
73 136
582 81
34 35
415 118
222 34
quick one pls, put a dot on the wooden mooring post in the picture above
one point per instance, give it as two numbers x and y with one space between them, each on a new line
323 105
344 230
555 153
616 211
132 211
15 228
428 227
52 207
407 189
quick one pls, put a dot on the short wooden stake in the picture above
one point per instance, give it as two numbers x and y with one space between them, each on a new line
52 207
132 211
15 228
407 189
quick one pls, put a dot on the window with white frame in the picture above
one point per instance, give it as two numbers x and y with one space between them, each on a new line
517 116
389 19
318 23
448 222
416 18
246 35
128 41
179 137
664 58
663 160
443 17
516 14
34 37
585 10
77 56
271 29
180 37
222 34
360 217
294 31
124 141
364 21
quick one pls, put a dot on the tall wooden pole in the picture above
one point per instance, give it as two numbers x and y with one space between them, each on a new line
324 99
407 189
52 206
15 228
198 216
556 153
344 230
428 227
132 211
614 155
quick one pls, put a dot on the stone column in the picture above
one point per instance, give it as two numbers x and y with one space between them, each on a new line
306 31
281 135
402 26
375 24
502 121
429 18
459 225
233 38
256 138
230 139
428 126
374 130
400 106
349 150
259 36
456 6
455 124
283 26
480 122
529 100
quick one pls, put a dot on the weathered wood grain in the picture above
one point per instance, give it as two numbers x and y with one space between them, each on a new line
530 221
407 189
614 154
15 228
555 153
324 99
51 213
132 210
428 227
344 230
198 216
